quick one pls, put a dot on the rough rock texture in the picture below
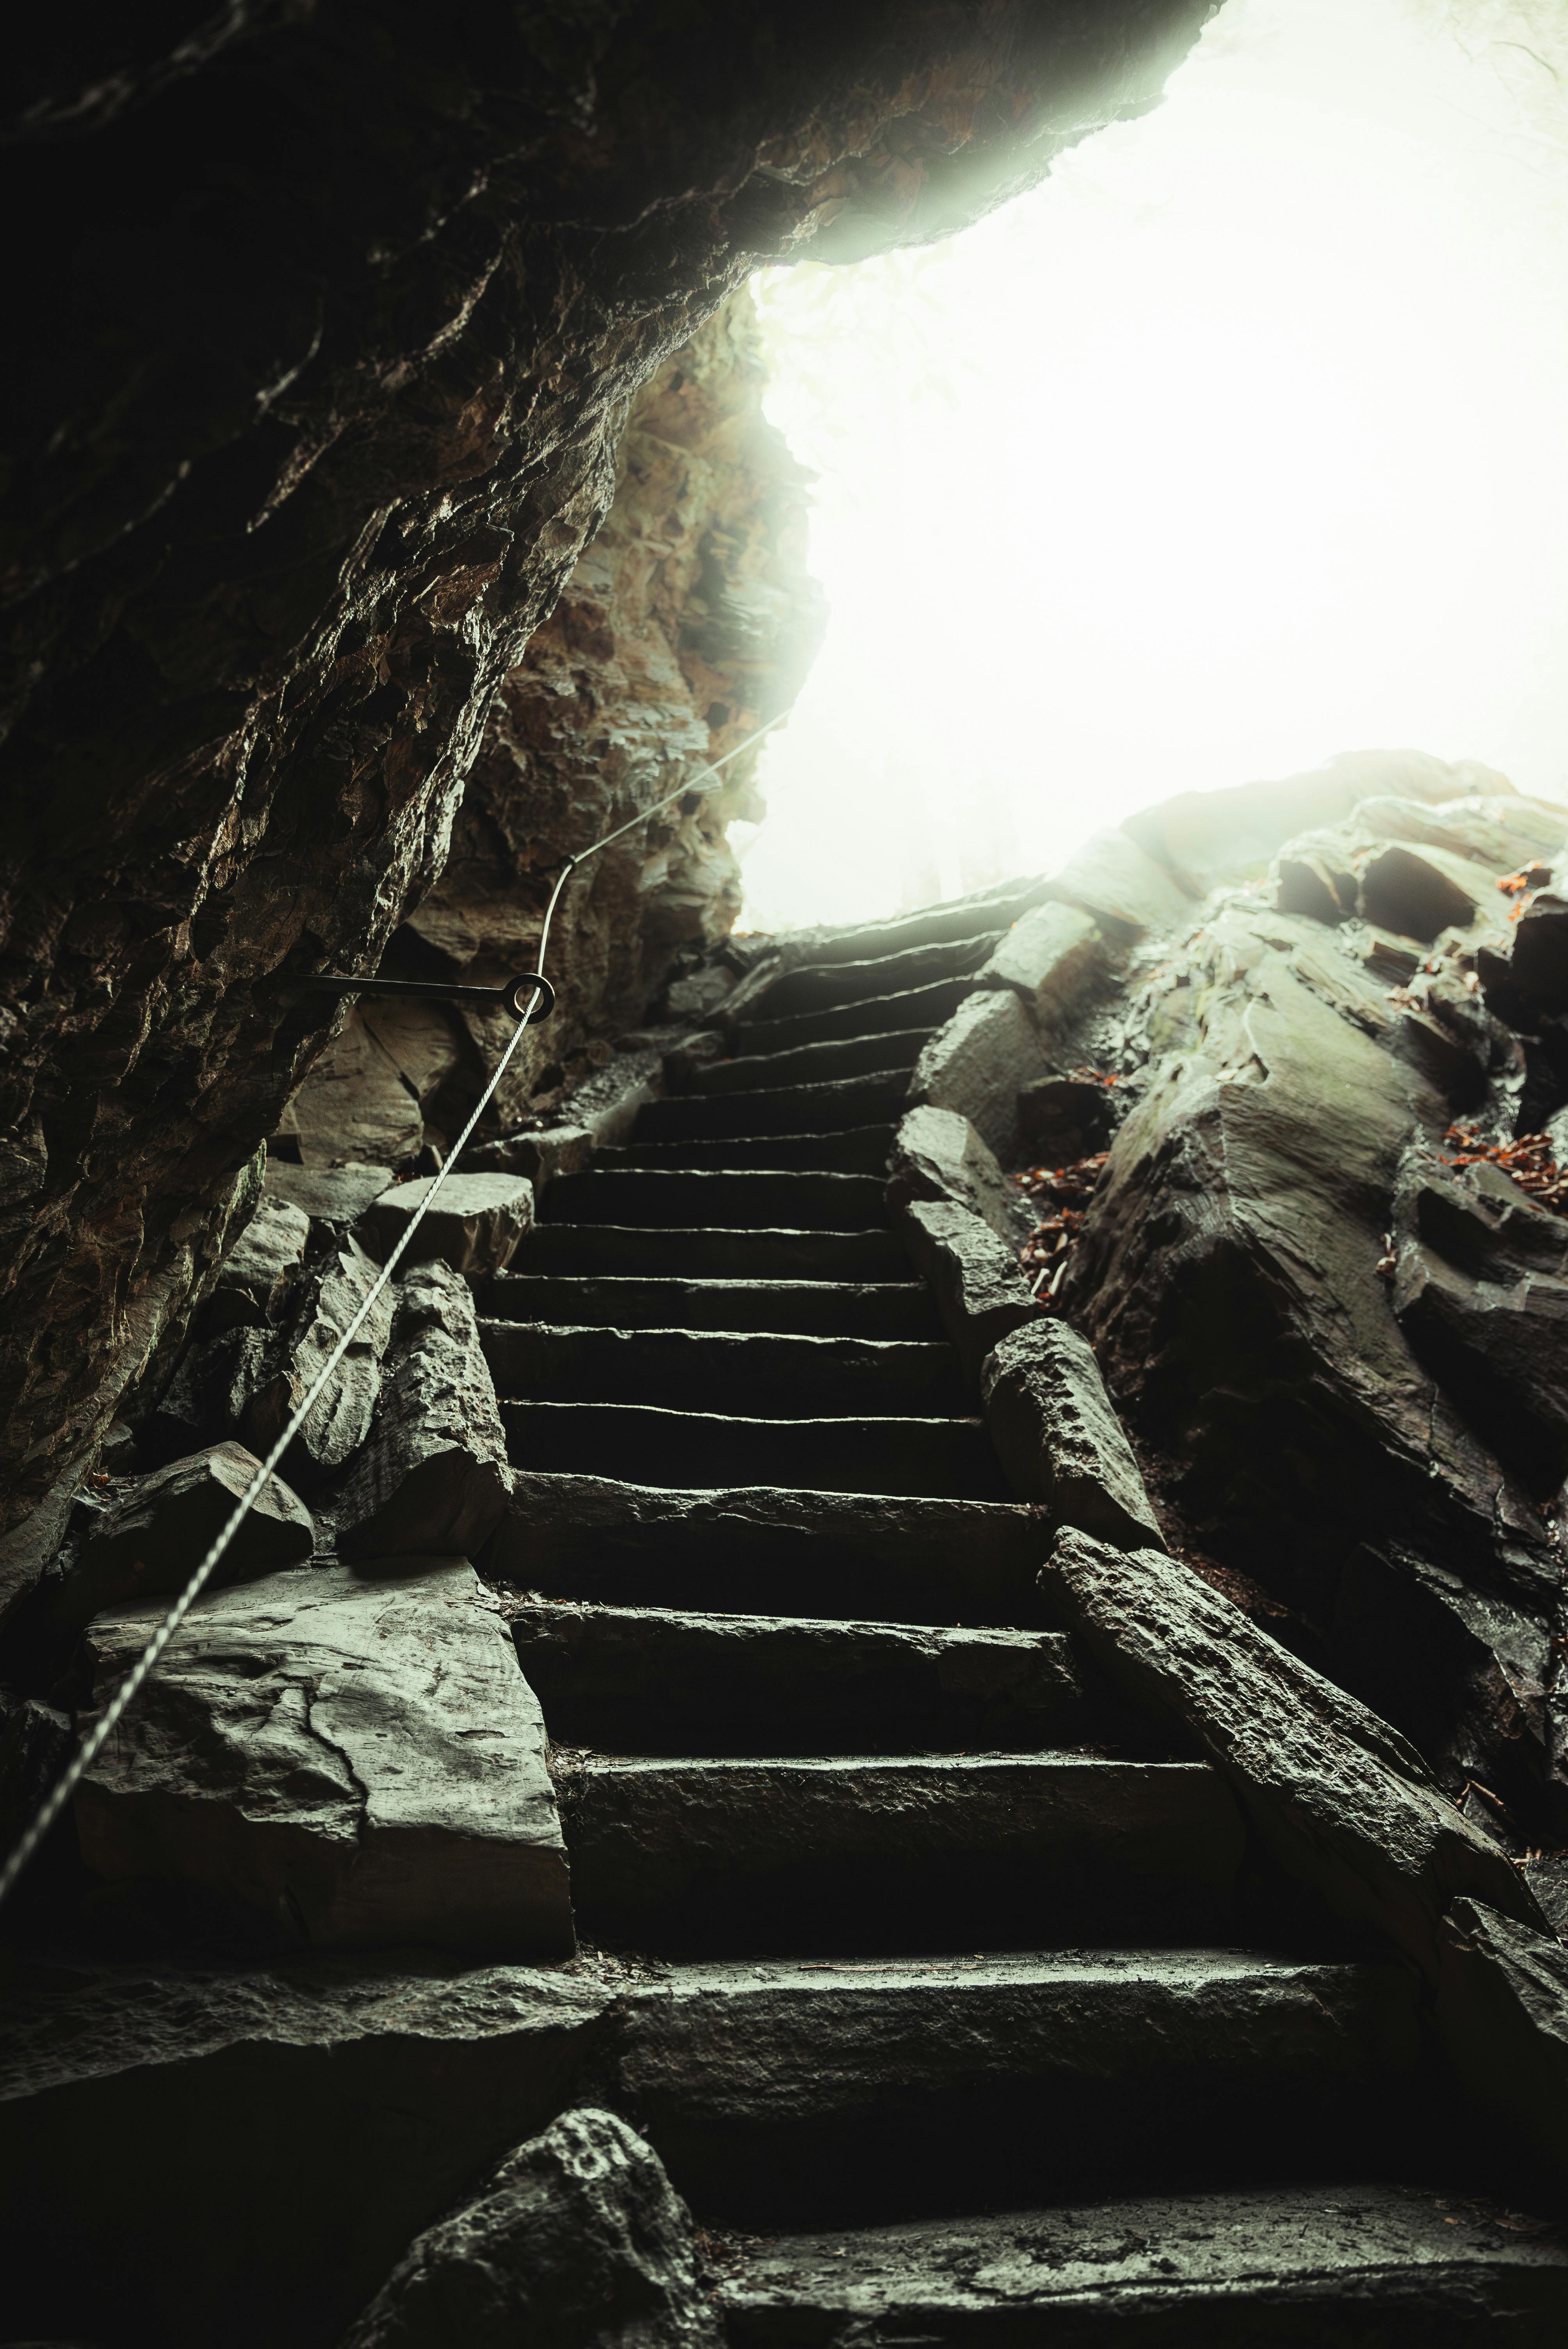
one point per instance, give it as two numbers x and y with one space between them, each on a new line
937 1155
1050 958
351 1756
337 1194
1342 1802
473 1224
977 1064
1232 1278
256 1275
577 2239
414 2076
1502 2010
150 1533
1359 2263
1059 1438
344 313
339 1419
433 1476
979 1290
1113 876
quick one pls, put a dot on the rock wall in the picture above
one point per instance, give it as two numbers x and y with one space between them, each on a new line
688 624
332 318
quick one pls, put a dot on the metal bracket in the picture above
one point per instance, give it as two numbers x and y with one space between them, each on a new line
508 996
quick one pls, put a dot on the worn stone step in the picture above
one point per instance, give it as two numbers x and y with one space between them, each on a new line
1365 2265
652 1680
760 1374
922 1008
710 1200
831 1107
831 2091
832 1309
702 1854
767 1551
819 986
994 910
951 1458
864 1055
681 1254
858 1150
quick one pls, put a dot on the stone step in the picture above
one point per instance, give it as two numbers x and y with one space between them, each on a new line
709 1200
767 1551
922 1008
831 1107
992 910
944 1458
570 1250
703 1855
829 1309
1368 2265
760 1374
652 1680
837 2091
858 1150
860 1055
819 987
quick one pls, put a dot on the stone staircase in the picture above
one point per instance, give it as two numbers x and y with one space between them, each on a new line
961 2012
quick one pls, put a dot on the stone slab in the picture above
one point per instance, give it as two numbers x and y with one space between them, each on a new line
152 1532
474 1224
1051 958
1112 877
350 1757
328 1194
978 1063
254 1276
937 1154
1363 2263
1341 1801
980 1292
1058 1437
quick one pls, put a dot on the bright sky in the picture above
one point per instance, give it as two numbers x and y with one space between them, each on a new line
1241 441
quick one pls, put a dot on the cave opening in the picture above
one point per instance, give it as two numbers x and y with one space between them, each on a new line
1230 446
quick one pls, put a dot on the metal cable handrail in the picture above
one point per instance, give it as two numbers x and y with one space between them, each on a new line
114 1711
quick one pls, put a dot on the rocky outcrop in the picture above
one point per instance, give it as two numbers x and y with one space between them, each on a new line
577 2239
338 322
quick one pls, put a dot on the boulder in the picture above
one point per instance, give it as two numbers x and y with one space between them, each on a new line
1538 962
1058 1437
433 1476
255 1274
331 1296
577 2239
1051 958
348 1756
1342 1802
977 1063
154 1533
310 2116
937 1155
980 1292
474 1224
553 1150
1113 877
327 1195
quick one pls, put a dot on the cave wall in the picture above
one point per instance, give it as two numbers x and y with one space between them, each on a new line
689 621
329 319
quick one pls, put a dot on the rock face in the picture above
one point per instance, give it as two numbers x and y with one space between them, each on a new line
578 2238
338 334
352 1757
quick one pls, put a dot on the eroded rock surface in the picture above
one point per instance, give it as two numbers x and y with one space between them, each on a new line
350 1754
577 2239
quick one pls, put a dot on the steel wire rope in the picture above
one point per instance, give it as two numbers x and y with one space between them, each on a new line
114 1711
